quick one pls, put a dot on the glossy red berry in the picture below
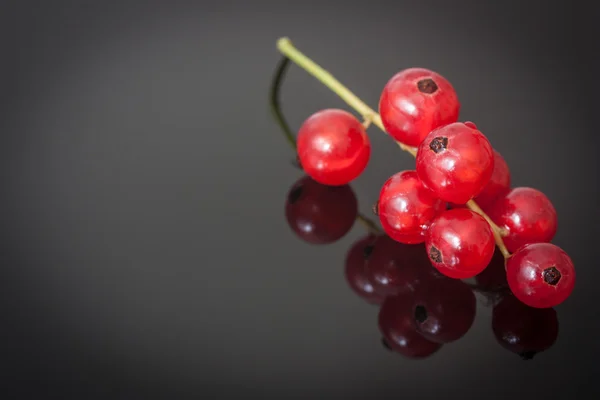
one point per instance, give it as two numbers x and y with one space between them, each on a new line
455 162
414 102
444 309
355 270
498 185
524 330
333 147
406 207
397 326
527 215
320 214
389 267
541 275
460 243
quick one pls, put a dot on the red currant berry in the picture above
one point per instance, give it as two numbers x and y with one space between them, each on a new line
498 185
455 162
541 275
444 309
389 268
399 332
460 243
527 215
524 330
414 102
333 147
406 207
471 124
320 214
355 270
493 277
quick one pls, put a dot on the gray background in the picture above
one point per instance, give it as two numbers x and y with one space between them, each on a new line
145 253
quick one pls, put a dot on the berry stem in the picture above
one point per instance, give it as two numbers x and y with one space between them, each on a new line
496 230
285 128
285 46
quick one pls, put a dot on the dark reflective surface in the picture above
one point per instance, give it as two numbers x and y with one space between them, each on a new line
146 251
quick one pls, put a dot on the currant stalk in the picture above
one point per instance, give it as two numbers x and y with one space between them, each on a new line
367 223
285 46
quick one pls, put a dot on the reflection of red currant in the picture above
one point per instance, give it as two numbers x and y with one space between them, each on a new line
399 333
406 207
355 270
389 267
444 309
320 214
493 277
414 102
460 243
333 147
455 162
541 275
524 330
528 216
498 185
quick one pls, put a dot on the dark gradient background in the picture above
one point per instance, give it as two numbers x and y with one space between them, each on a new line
145 253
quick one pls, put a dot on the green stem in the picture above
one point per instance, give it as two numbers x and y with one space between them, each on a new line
285 128
285 46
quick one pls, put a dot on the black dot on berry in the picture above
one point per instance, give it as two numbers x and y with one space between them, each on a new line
375 208
295 194
527 355
438 144
427 86
435 254
448 206
551 276
385 344
367 251
420 314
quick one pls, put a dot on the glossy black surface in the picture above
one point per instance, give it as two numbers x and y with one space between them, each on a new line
145 248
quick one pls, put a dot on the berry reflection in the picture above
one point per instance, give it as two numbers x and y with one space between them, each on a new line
524 330
320 214
356 272
399 331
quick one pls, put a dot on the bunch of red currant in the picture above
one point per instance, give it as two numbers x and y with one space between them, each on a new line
420 309
458 200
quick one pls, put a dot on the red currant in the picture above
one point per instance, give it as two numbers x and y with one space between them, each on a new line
320 214
498 185
399 332
470 124
522 329
528 216
541 275
333 147
389 268
460 243
355 271
414 102
406 207
444 309
455 162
